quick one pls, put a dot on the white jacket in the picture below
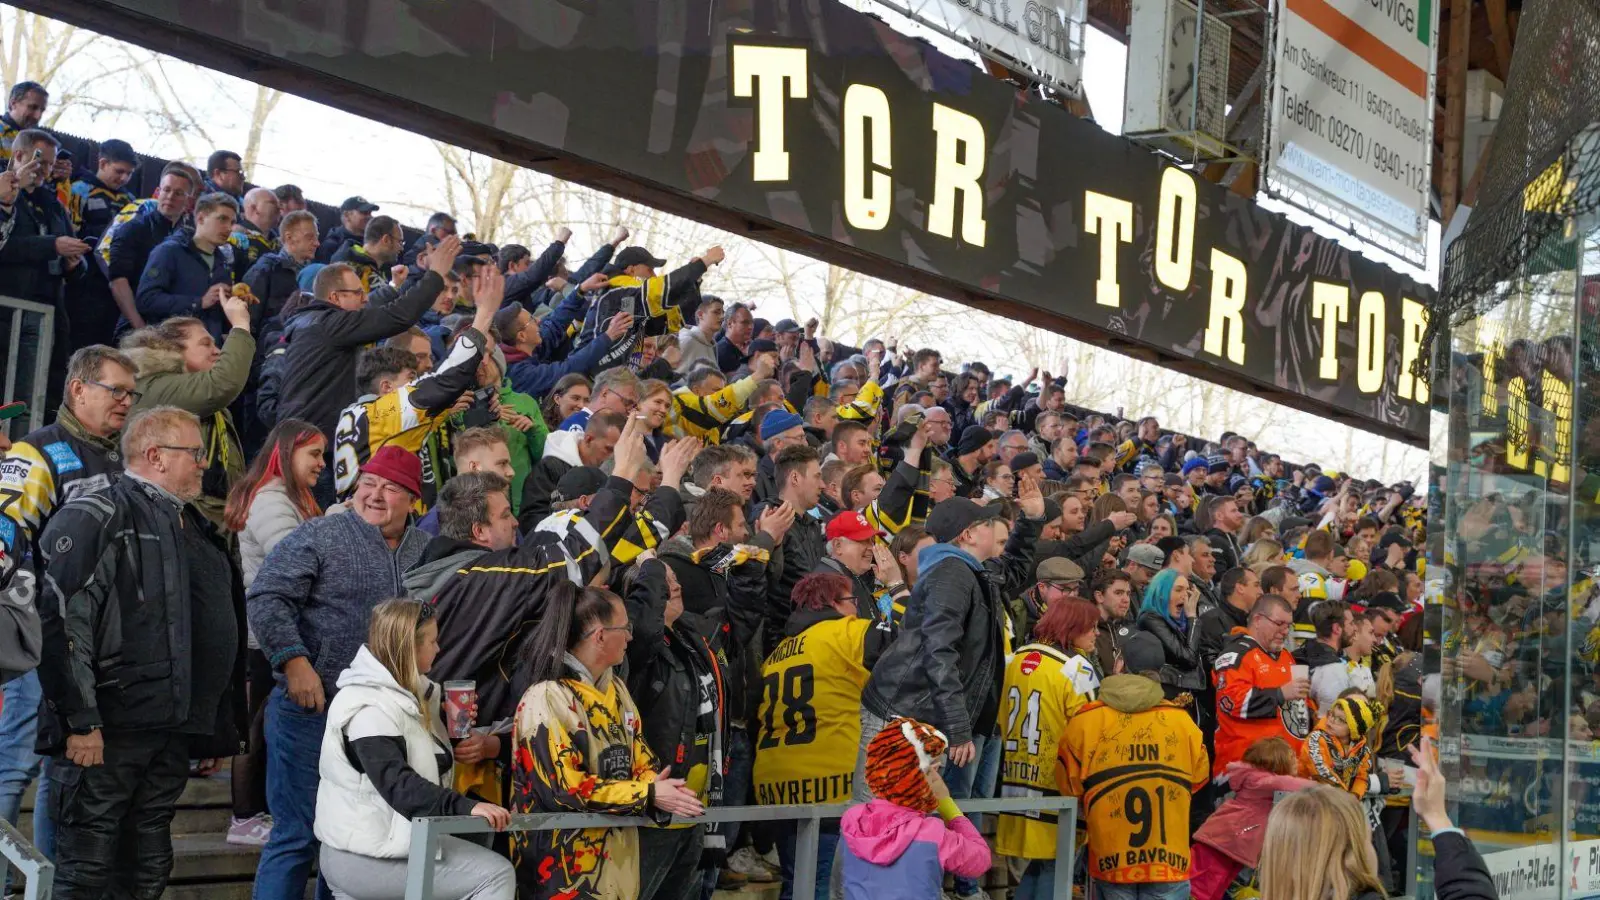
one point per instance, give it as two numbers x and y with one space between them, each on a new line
351 815
270 519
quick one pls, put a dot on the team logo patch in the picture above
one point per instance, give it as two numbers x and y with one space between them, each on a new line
1226 660
15 471
1030 663
63 544
63 457
1296 717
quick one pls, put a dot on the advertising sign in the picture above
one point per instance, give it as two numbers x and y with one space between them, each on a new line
1044 35
815 127
1350 126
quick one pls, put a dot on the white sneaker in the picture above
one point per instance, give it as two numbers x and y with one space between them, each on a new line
747 862
771 859
981 894
251 832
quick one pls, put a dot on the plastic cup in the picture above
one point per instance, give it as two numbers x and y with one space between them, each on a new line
460 699
1297 673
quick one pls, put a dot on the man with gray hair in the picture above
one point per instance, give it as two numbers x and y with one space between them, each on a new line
40 257
140 616
474 518
615 390
75 456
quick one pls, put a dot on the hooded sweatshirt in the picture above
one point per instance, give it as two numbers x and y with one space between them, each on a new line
892 852
1125 752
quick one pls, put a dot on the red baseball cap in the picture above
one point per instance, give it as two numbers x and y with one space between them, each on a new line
851 525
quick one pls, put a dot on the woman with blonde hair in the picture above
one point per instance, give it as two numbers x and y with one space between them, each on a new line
386 759
1265 552
1318 847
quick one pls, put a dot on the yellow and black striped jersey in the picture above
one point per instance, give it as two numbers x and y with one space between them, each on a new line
704 417
404 417
1044 688
809 727
40 473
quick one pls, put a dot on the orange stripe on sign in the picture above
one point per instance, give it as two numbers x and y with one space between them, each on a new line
1362 43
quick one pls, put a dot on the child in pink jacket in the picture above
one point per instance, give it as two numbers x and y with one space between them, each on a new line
1230 840
894 847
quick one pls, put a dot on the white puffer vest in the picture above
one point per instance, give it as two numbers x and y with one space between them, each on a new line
351 814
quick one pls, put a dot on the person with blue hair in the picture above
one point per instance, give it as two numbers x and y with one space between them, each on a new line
1169 613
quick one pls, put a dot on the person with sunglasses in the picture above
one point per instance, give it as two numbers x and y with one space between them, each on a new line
1259 691
78 454
137 567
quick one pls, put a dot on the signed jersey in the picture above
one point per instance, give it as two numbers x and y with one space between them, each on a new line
1044 689
1135 773
809 728
43 471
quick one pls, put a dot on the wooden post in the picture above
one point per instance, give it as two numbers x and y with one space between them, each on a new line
1455 105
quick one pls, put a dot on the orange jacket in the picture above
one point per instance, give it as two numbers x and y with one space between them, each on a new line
1250 704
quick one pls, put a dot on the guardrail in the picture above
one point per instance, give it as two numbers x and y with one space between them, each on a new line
20 852
41 358
425 833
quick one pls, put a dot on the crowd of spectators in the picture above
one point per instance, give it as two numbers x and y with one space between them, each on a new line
294 480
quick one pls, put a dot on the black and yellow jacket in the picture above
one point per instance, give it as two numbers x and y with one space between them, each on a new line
356 257
93 206
654 302
704 417
405 417
43 471
250 244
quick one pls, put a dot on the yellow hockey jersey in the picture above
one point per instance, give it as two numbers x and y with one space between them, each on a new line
809 727
1044 688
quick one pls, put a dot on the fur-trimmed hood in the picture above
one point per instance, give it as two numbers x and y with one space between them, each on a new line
156 361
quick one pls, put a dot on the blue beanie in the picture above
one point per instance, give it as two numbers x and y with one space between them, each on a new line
307 278
1198 462
777 422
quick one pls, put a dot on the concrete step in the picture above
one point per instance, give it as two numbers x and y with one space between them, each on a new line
190 820
752 891
207 858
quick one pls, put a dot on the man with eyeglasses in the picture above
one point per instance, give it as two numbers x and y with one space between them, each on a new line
326 336
308 609
225 173
1258 693
78 454
128 708
615 390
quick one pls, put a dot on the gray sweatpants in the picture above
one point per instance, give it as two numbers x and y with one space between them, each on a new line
465 871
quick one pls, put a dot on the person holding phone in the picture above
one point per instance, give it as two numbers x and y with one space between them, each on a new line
40 255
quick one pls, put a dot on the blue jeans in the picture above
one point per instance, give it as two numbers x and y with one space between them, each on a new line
827 844
294 744
1038 881
1168 890
19 765
735 792
975 779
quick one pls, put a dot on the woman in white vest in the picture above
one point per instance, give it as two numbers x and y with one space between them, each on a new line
385 760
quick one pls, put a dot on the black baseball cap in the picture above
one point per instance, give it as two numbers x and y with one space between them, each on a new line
579 481
787 326
636 256
358 204
762 345
948 519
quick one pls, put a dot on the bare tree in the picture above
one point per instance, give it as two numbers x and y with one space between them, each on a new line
35 48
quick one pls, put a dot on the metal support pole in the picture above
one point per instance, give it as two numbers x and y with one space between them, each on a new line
807 844
1066 850
419 873
1414 878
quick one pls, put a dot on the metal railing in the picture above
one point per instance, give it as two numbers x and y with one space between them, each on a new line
39 872
425 833
41 359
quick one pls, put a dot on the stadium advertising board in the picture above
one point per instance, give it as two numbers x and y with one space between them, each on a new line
825 130
1044 35
1350 125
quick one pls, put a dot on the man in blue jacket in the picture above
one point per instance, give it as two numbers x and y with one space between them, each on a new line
189 274
138 230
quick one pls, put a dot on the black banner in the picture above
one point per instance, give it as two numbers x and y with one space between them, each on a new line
820 128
